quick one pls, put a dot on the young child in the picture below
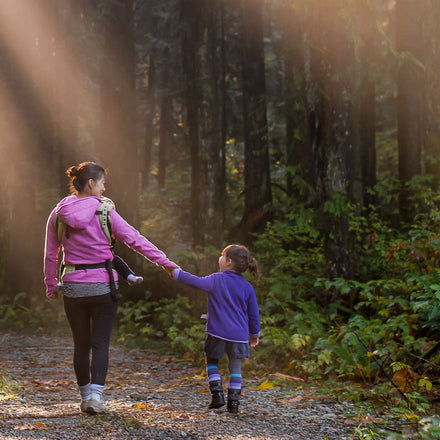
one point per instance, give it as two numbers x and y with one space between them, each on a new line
233 321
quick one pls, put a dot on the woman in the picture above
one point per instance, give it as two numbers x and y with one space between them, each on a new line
89 284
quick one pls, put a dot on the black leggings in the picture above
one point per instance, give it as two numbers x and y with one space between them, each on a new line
91 320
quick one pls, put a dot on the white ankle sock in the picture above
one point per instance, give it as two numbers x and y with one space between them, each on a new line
96 391
85 392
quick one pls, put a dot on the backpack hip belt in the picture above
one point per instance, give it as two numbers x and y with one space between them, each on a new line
108 264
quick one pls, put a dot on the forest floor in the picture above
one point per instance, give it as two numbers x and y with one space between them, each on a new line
152 397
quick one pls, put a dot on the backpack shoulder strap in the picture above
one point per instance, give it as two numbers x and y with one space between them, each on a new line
104 208
59 227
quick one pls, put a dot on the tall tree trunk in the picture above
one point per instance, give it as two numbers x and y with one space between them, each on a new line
117 148
190 11
211 163
314 118
150 101
367 104
223 94
411 95
69 78
432 42
202 84
117 144
298 155
257 184
27 137
164 120
336 93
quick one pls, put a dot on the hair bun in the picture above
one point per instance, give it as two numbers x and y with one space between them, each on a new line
72 171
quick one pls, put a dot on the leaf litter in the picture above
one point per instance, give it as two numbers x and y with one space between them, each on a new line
150 397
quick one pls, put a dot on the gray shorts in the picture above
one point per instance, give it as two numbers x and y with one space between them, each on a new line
215 348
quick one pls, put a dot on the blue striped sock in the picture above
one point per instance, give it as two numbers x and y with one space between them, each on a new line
213 372
235 373
235 381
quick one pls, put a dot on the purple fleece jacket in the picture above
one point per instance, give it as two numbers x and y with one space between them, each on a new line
87 244
232 305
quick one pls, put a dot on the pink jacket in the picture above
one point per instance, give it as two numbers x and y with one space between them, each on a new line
87 243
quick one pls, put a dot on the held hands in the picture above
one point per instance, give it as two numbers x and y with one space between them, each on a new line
253 341
169 271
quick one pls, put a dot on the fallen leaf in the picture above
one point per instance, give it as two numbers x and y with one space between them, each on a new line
266 385
200 376
287 377
406 379
27 426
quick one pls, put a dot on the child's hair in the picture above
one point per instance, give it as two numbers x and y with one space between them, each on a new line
241 258
79 175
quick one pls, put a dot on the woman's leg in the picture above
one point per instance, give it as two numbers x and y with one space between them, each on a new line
78 315
103 314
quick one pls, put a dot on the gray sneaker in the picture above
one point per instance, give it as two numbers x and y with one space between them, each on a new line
84 404
96 407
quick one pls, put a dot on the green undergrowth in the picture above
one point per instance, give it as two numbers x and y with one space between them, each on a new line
26 313
378 329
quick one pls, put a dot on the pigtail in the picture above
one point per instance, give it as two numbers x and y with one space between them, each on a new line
253 268
241 259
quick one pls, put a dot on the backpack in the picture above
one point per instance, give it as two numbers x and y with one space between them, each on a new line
104 208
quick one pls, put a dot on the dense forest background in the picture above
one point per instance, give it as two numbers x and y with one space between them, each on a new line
306 129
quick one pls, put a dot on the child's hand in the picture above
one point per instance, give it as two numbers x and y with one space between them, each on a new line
253 341
169 271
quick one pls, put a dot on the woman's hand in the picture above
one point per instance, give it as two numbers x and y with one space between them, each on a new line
169 271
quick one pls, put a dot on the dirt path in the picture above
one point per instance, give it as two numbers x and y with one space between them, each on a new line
149 397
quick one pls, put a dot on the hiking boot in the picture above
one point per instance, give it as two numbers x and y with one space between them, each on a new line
217 397
233 400
96 407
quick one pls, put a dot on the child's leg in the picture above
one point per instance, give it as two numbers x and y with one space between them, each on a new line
212 369
235 382
215 383
125 271
235 374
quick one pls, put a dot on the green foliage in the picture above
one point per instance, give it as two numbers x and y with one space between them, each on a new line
30 314
315 325
168 325
428 428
